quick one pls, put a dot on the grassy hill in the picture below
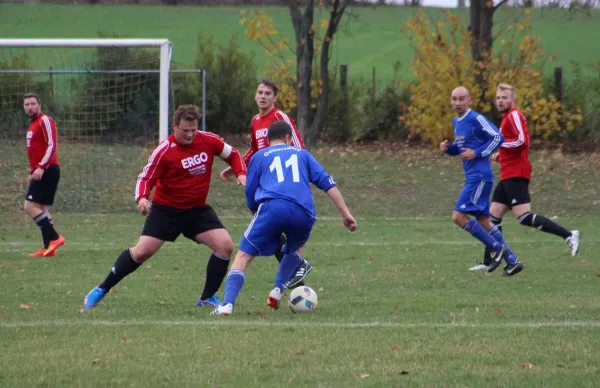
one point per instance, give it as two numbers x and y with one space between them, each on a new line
374 39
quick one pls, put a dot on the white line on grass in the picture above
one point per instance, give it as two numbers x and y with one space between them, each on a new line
18 246
308 324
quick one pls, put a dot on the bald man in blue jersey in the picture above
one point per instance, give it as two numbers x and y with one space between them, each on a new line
475 139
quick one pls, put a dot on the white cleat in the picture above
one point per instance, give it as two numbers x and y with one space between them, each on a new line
479 267
223 310
274 298
573 242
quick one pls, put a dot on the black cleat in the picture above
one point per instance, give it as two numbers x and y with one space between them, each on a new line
497 258
513 269
301 272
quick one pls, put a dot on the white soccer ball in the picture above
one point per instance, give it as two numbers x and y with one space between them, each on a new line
303 299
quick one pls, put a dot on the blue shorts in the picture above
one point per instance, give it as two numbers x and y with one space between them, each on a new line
474 199
274 217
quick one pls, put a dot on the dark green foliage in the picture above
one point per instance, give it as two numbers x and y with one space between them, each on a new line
231 83
13 121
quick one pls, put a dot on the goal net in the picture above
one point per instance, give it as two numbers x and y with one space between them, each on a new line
110 101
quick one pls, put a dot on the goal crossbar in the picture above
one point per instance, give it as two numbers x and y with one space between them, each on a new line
165 62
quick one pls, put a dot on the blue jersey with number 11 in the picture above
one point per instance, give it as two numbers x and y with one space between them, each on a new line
285 172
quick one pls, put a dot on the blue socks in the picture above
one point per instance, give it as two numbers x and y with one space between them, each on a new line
288 265
233 285
497 235
480 234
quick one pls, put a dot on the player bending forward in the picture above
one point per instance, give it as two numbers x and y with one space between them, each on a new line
512 192
278 191
265 97
180 168
475 139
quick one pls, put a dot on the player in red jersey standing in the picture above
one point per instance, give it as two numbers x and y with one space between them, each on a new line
44 173
512 192
266 96
180 169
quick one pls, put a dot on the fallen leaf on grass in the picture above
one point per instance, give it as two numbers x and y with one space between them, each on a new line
124 339
583 262
351 283
527 365
404 372
371 259
395 348
499 311
476 309
364 375
25 306
300 352
96 360
291 380
561 366
396 308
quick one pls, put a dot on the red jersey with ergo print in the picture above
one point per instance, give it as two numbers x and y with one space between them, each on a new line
514 152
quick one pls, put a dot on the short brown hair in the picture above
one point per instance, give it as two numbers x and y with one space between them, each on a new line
278 131
187 113
505 87
269 83
32 95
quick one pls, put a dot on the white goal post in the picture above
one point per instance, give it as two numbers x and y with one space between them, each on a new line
165 62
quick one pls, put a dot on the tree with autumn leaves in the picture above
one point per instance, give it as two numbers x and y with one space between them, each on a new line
444 58
447 54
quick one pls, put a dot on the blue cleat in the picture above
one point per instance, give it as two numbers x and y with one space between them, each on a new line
213 301
93 298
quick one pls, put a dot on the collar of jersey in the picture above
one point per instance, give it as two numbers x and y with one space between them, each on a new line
465 115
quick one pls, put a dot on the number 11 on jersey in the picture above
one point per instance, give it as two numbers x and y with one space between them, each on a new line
291 162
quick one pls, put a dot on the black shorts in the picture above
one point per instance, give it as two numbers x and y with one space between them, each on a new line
43 191
167 223
512 192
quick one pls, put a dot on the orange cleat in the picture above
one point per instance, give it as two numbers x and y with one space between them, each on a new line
40 253
54 245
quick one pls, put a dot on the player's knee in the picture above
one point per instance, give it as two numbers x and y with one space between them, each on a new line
225 248
526 219
142 252
457 218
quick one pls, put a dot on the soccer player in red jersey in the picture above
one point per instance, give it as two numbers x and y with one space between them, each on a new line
179 169
512 192
265 97
44 173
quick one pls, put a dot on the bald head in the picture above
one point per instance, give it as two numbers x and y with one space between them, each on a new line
460 100
460 91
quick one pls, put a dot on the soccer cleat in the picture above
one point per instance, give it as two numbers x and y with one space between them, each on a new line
479 267
40 253
513 269
54 245
274 299
224 310
301 272
93 298
497 258
213 301
573 242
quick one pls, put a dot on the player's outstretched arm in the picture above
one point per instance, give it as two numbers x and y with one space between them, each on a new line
337 198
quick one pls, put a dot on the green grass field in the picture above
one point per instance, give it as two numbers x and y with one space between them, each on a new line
567 38
397 305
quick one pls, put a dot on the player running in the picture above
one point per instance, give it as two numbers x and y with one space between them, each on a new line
278 192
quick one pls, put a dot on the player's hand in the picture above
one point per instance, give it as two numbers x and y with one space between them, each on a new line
37 174
495 156
349 222
444 146
227 173
143 206
241 180
467 154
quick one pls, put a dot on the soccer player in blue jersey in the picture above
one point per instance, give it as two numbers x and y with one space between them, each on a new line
475 139
278 193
